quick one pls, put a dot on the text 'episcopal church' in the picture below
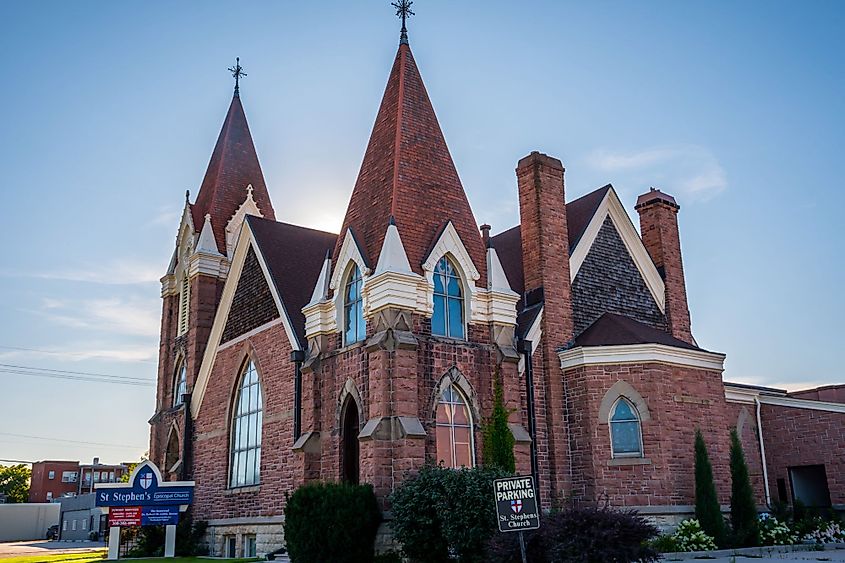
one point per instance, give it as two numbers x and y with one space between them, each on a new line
291 355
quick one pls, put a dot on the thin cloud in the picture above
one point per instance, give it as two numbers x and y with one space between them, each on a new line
117 272
691 172
83 351
127 316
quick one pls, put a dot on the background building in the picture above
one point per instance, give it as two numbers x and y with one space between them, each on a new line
53 479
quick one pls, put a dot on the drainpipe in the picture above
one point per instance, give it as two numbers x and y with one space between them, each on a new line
763 453
524 347
297 357
187 440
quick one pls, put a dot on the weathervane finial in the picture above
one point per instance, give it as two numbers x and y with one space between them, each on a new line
237 71
403 10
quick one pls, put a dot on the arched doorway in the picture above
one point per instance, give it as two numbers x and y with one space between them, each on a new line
349 441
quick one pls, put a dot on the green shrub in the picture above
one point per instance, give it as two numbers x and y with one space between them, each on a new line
691 537
498 438
443 512
581 535
149 540
665 543
331 522
707 510
743 508
388 557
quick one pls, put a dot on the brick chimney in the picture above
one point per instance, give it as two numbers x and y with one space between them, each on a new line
545 262
659 231
545 240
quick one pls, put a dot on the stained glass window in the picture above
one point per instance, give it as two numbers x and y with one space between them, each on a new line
454 430
355 329
625 431
246 430
180 386
448 316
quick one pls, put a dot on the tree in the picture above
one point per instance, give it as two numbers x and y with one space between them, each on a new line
707 508
498 442
746 530
14 482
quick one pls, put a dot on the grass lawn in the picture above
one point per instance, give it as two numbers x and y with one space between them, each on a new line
100 556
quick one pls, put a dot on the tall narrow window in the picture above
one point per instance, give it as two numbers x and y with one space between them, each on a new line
180 384
625 431
184 303
246 430
448 316
355 329
454 430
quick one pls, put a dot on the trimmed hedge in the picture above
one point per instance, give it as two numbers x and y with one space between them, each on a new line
446 512
581 535
331 522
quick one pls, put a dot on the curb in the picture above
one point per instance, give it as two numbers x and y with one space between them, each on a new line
752 551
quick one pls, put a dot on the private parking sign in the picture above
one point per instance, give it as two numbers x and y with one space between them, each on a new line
516 504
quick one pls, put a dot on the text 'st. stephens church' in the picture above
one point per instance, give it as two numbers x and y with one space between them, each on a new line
290 355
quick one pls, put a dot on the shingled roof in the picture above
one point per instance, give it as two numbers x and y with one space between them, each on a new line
233 166
294 255
611 329
408 173
508 244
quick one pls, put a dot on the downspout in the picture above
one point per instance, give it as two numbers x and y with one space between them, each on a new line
524 346
187 439
297 357
762 453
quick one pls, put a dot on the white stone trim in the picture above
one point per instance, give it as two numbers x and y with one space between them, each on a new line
349 252
250 334
534 334
393 257
246 240
450 243
145 464
321 288
641 354
233 227
745 395
611 206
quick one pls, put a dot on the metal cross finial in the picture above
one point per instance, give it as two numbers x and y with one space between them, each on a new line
403 10
237 71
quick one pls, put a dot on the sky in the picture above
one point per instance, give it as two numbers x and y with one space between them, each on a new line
112 110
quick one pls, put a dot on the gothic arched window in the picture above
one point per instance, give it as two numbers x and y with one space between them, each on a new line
448 316
454 430
625 431
354 327
180 384
246 430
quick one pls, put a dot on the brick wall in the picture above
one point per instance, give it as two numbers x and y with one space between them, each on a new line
609 282
796 437
743 417
679 400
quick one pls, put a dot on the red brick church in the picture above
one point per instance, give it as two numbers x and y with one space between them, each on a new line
290 354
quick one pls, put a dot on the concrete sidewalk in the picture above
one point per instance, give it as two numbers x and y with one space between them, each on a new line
795 554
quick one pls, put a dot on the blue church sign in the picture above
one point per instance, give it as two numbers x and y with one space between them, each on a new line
145 488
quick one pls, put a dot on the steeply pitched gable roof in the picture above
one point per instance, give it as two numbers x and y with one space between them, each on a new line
408 173
294 255
508 244
611 329
233 166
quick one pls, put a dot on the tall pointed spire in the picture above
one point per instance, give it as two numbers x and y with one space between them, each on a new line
408 173
233 167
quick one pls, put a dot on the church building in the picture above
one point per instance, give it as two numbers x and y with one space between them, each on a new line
290 354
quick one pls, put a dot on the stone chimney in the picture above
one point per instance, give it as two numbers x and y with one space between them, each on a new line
545 239
659 231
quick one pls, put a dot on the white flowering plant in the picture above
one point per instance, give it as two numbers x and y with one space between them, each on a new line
826 532
690 537
775 532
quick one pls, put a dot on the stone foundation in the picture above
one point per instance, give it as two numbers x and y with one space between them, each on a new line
268 531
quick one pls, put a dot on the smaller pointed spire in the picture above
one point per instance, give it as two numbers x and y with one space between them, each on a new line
496 278
237 71
321 288
206 243
393 257
403 10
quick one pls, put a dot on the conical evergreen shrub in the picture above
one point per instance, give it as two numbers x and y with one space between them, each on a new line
497 451
744 522
707 509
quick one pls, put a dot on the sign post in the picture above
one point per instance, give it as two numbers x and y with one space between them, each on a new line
146 500
516 507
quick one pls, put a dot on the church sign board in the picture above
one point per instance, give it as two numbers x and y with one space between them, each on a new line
516 504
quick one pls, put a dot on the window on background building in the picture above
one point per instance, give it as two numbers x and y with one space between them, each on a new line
246 430
49 495
354 327
625 432
87 476
231 543
184 304
111 476
84 524
96 476
448 316
51 474
73 525
69 476
249 545
454 430
180 383
64 525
